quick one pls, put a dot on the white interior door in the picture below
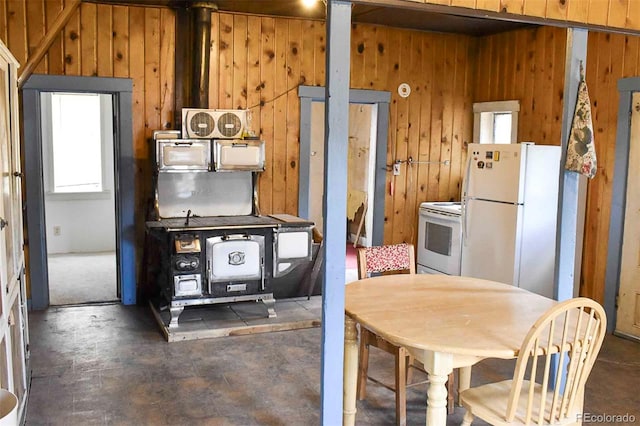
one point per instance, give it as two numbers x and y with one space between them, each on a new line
628 315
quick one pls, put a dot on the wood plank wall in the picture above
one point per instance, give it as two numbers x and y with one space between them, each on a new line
613 13
106 41
610 57
529 65
526 65
258 62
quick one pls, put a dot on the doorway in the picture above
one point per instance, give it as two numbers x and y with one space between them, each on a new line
368 129
78 178
370 107
114 95
361 153
628 308
360 173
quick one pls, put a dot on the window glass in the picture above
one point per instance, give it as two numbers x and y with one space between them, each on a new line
496 122
502 127
76 141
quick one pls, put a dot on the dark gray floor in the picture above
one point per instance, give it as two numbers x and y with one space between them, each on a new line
109 365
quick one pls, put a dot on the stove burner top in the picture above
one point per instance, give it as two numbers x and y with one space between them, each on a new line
452 207
216 222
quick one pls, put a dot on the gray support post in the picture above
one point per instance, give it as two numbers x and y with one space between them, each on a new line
571 199
334 207
304 180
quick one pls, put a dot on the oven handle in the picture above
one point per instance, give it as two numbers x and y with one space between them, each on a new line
262 274
442 218
235 237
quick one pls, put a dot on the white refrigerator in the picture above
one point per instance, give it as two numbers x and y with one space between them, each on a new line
509 214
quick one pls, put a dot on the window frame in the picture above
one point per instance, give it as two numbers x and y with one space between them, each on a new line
106 108
495 107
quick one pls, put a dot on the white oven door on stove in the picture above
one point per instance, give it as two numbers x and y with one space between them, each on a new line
439 242
183 155
235 257
292 247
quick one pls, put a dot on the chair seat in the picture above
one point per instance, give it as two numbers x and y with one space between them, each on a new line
489 402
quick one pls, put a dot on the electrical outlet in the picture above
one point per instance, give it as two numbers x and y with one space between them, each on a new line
56 230
396 169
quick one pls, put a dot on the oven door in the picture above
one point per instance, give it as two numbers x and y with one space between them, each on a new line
183 155
239 154
439 241
235 257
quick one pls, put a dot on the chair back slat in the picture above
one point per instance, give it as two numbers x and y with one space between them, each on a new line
387 258
547 367
586 358
555 412
566 331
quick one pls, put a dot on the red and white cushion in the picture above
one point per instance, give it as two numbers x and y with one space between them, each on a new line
393 257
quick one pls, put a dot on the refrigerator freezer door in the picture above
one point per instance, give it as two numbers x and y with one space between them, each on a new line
490 248
496 172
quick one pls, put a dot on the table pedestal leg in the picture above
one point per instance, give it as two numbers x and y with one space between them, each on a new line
437 400
350 374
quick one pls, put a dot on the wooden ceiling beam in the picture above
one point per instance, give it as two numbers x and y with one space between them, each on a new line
33 61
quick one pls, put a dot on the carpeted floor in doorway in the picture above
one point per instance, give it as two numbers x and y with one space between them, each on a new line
82 277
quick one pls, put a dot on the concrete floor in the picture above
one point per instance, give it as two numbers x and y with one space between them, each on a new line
109 365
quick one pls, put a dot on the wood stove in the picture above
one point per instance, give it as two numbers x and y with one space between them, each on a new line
213 245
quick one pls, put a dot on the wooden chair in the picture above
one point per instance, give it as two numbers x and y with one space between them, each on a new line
575 329
389 258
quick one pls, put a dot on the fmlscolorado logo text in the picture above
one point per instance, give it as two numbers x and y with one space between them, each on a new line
606 418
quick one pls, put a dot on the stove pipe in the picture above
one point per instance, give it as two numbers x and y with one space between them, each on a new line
201 42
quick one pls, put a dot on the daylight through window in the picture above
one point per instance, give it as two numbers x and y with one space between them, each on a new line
77 143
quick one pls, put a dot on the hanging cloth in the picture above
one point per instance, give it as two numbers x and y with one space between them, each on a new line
581 151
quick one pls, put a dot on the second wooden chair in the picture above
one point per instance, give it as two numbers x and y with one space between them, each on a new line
389 258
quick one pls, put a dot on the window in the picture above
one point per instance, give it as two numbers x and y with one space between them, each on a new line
76 143
495 122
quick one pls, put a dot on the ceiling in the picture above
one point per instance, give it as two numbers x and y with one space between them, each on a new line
414 18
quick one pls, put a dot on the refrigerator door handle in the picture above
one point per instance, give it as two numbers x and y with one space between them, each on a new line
463 204
465 230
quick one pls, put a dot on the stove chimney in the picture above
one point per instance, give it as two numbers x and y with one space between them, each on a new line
192 53
201 24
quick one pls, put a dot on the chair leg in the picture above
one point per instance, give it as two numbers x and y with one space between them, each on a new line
464 380
363 364
450 396
409 363
468 418
401 386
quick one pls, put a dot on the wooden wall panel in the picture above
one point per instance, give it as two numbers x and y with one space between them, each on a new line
612 13
536 78
107 41
257 63
527 65
434 123
611 57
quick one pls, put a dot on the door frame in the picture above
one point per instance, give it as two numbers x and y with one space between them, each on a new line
121 89
626 88
309 94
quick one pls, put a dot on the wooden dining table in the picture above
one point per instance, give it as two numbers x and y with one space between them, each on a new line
445 321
